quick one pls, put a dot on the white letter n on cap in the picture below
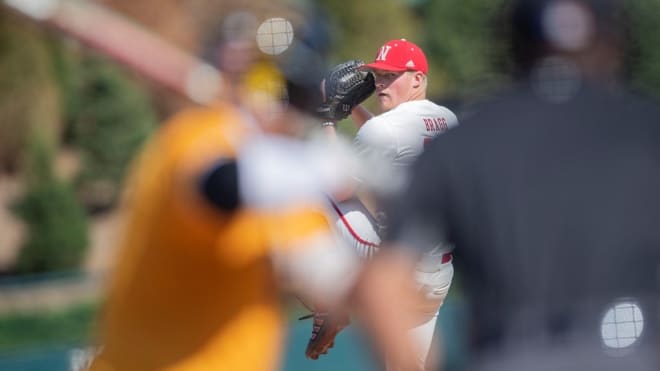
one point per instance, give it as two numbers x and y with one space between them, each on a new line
382 54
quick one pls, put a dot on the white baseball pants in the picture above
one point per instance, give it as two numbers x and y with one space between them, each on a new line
359 229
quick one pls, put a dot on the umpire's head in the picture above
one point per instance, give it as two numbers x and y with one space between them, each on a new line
590 33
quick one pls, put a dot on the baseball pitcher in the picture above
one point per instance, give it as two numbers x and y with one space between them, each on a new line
387 144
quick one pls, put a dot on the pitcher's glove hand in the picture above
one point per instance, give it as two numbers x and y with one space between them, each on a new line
346 86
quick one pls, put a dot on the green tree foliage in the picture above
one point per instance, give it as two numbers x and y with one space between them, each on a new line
28 93
360 27
55 93
56 221
460 44
110 119
643 60
65 58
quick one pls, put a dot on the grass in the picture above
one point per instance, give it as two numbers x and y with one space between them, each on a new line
70 326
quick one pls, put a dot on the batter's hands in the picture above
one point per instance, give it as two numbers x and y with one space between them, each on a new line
325 328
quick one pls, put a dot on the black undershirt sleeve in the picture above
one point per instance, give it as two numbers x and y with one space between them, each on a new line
220 186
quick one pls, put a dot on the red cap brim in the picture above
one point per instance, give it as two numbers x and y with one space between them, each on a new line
383 66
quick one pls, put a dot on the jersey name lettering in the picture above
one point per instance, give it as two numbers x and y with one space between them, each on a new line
435 124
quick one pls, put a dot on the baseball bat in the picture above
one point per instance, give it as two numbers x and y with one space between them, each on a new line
128 43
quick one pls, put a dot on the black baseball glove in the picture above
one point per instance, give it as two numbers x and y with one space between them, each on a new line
346 86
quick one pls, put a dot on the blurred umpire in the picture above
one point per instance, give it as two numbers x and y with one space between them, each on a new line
224 212
549 194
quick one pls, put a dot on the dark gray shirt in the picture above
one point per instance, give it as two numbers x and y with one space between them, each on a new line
554 212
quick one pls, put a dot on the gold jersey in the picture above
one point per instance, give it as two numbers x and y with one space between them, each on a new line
194 288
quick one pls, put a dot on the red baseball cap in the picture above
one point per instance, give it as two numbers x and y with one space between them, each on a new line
400 55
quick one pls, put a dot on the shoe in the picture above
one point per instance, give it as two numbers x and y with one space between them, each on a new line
325 328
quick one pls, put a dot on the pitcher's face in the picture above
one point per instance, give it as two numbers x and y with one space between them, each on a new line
394 88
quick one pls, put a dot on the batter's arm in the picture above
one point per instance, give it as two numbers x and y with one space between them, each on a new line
136 47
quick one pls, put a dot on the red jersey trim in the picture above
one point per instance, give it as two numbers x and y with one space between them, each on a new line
350 229
446 258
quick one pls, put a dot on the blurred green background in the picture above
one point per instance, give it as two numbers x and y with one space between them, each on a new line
71 120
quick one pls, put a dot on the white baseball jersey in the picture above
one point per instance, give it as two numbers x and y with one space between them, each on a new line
388 144
391 141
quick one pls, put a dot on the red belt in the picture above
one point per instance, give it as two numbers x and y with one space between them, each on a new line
446 258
